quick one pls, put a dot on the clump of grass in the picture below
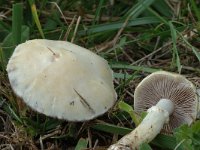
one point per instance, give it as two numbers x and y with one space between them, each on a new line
136 37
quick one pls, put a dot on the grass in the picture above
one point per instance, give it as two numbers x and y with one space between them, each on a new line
135 37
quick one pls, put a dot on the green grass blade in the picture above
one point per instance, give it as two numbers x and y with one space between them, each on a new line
137 68
15 37
125 76
35 17
2 60
165 141
137 9
163 8
51 124
8 46
110 128
12 113
17 23
121 75
98 12
175 58
196 9
118 25
194 49
162 19
127 108
197 12
145 146
5 26
82 144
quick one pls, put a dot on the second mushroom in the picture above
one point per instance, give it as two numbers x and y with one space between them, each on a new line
170 100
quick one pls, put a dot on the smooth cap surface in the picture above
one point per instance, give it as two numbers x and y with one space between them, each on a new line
61 79
165 85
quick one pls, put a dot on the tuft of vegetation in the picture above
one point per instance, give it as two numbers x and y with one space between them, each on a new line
135 37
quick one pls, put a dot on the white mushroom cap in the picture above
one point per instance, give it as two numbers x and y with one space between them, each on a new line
165 85
61 79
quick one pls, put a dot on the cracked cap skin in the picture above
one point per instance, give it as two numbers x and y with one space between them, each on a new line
62 80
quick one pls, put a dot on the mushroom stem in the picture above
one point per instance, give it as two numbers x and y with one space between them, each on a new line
151 125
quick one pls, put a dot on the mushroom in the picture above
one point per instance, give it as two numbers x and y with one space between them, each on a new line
170 100
61 79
